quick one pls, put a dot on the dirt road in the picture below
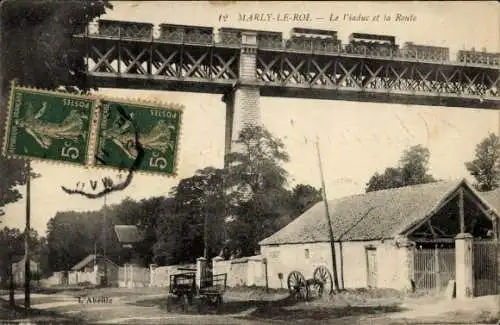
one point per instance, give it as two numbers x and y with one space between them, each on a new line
143 307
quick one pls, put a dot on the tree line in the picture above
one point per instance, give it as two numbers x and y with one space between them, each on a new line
245 202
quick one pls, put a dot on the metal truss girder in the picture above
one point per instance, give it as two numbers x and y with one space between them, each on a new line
322 73
103 60
289 69
164 64
471 82
267 73
133 61
397 80
195 67
347 75
295 71
335 72
224 67
372 78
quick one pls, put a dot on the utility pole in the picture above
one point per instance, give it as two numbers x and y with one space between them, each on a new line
204 210
205 233
105 230
327 213
27 271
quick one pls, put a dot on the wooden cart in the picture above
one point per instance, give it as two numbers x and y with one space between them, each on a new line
183 292
304 289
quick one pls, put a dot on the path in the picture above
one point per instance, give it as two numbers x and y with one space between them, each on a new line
122 311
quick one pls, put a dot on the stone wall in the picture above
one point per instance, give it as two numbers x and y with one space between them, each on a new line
246 271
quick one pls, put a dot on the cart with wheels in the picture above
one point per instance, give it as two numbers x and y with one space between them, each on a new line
301 288
183 293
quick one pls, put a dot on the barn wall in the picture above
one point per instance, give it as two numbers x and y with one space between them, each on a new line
392 263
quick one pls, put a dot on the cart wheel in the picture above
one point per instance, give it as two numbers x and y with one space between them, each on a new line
323 279
297 286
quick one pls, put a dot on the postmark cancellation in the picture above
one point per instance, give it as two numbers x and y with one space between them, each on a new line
93 130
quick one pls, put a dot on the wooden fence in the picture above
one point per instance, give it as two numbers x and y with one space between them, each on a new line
433 268
485 267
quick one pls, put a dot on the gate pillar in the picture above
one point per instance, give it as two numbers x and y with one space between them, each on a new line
463 266
201 267
242 102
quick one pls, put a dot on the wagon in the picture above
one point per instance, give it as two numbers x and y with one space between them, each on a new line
184 293
303 289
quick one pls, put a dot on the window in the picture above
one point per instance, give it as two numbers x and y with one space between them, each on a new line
306 253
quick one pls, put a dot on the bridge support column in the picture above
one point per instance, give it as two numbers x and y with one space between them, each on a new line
243 101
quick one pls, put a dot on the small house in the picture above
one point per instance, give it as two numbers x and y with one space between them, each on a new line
18 269
95 270
401 238
129 237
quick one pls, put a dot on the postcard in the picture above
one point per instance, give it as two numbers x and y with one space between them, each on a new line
250 162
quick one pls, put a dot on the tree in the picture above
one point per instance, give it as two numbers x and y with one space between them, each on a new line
303 197
256 182
391 178
12 174
181 233
12 243
38 50
71 236
412 170
485 167
414 166
146 215
38 42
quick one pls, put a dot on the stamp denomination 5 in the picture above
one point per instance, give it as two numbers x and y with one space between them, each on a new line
49 125
155 128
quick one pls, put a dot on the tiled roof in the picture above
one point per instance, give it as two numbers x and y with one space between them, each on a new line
128 234
374 215
493 198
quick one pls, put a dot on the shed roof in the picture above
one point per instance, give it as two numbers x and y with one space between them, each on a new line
493 197
128 234
373 215
87 260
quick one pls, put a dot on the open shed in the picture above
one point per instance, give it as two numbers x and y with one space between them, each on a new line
401 238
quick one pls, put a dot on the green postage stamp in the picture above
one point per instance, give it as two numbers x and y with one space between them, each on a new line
156 128
48 125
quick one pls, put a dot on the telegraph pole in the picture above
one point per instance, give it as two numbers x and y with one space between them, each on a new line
205 233
205 211
330 230
27 271
105 230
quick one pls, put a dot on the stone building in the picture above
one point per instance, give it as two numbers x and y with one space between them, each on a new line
385 238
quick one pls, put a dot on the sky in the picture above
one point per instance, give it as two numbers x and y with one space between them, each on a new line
356 139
